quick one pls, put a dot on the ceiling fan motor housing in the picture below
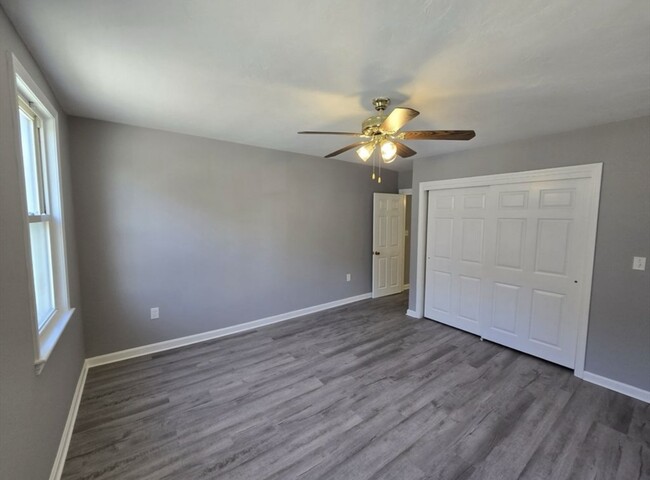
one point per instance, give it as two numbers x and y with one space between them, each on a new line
370 126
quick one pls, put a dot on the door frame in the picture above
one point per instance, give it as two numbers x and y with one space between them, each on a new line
592 172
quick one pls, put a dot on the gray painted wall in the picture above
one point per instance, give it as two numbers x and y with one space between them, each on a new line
405 179
33 409
618 344
213 233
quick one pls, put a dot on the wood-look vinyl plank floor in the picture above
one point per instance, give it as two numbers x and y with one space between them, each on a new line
359 392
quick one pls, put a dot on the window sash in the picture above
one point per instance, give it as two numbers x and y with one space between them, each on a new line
33 218
38 184
40 228
40 239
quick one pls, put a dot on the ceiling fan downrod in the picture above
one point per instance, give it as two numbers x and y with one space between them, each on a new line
381 103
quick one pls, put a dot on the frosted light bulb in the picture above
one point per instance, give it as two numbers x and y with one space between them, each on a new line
365 151
388 151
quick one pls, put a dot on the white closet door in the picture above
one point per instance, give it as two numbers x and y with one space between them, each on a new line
535 273
455 256
506 262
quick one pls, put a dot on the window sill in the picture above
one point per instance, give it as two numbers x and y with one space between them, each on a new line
49 336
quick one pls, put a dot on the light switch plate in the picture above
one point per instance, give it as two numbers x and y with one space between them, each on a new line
638 263
155 313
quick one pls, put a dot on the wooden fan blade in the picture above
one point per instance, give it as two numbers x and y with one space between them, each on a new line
345 149
404 151
333 133
438 135
397 119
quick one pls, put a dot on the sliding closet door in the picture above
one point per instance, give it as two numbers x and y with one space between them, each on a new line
455 257
506 262
534 275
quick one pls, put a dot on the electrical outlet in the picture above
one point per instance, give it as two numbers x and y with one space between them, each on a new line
638 263
348 277
155 313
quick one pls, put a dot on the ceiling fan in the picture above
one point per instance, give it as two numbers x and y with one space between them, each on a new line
383 131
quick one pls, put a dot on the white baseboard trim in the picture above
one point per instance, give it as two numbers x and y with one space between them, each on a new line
59 461
62 452
619 387
407 286
412 313
221 332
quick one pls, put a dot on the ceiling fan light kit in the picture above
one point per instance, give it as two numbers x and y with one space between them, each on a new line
384 130
365 151
388 151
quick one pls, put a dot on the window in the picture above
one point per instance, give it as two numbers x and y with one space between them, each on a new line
31 137
43 208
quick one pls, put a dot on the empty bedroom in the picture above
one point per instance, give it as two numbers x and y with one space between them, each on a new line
324 240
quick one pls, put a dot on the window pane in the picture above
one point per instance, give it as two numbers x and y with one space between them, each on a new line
30 163
39 235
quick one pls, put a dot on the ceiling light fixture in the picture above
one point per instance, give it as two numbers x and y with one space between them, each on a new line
365 151
386 132
388 151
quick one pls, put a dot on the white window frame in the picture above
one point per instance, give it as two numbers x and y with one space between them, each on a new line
46 337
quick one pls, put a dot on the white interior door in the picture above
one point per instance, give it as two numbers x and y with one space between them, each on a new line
388 244
506 262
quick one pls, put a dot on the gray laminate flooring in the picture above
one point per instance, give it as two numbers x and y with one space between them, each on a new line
358 392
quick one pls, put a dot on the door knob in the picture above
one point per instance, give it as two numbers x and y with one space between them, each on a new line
375 253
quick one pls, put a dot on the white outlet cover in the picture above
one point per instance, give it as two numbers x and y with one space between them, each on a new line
155 313
348 277
638 263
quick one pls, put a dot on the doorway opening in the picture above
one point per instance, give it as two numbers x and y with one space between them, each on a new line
408 192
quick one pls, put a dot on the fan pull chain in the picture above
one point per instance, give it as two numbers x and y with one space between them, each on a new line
379 177
373 165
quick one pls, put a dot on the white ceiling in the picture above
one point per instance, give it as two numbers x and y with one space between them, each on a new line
256 72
